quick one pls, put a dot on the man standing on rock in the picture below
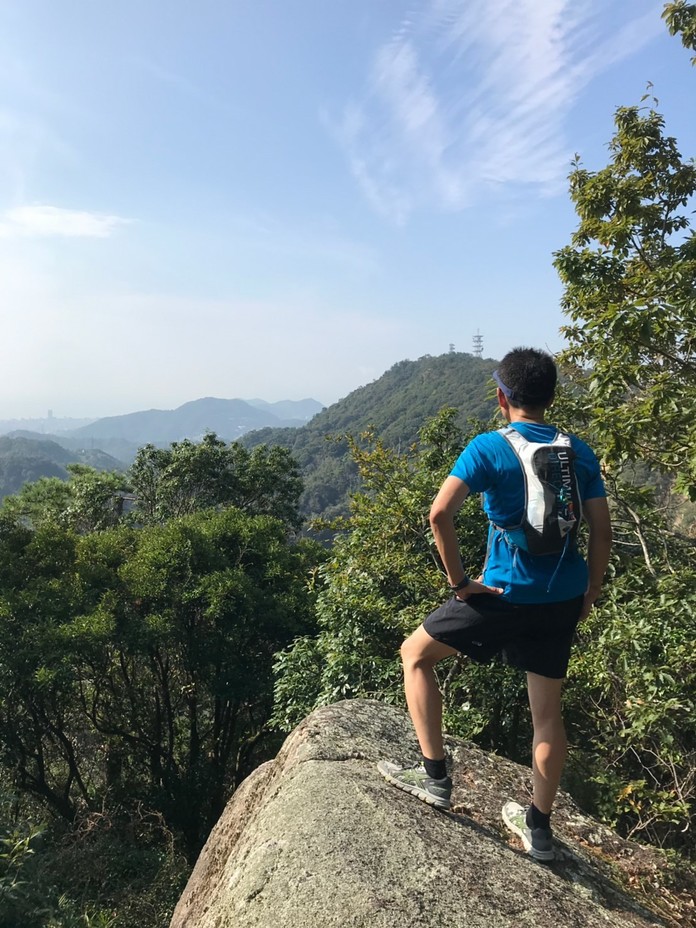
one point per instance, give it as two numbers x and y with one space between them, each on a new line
525 605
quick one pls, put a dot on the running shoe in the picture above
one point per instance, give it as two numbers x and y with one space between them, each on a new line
415 780
538 842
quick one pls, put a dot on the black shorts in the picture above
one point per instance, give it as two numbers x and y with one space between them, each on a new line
534 637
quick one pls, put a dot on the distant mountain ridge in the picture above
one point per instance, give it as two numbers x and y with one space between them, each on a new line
200 414
111 443
299 411
47 425
229 419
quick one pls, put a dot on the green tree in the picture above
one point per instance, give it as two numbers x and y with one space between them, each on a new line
188 477
631 708
630 293
136 664
90 500
629 290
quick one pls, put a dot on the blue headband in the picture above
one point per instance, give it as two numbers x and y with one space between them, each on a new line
506 390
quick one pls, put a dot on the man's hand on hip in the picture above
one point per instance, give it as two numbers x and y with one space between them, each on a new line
474 587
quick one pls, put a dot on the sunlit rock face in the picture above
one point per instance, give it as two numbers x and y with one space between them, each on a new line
317 839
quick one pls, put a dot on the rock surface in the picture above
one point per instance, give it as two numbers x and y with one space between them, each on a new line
317 839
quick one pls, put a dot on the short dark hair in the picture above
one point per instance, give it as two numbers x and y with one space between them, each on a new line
530 375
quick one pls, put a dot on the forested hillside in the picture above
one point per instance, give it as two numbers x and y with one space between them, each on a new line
24 460
395 406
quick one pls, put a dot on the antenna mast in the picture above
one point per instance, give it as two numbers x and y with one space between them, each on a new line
478 344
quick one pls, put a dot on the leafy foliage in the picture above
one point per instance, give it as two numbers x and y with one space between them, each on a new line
188 477
163 484
136 664
89 500
629 278
630 703
681 18
135 668
25 460
16 849
112 869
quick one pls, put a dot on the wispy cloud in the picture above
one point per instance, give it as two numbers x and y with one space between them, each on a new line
470 96
43 221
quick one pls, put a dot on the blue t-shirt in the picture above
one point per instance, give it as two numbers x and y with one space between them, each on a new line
488 465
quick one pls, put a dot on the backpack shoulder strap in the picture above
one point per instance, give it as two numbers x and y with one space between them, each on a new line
518 441
511 434
515 439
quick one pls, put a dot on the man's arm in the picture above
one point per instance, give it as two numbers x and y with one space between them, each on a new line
596 512
447 503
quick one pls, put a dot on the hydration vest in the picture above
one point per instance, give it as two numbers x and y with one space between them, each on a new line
552 505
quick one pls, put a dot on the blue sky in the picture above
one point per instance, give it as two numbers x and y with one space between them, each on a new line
283 198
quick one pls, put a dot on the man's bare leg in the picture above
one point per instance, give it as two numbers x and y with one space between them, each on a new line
419 654
549 747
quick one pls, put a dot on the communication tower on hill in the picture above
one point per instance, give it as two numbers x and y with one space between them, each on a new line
478 344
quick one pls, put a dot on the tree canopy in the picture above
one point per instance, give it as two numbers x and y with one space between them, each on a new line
190 476
136 663
681 20
629 277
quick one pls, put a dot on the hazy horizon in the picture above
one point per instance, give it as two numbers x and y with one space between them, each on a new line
52 416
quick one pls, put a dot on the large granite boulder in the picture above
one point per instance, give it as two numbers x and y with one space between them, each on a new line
317 839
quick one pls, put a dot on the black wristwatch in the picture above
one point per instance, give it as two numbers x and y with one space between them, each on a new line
460 586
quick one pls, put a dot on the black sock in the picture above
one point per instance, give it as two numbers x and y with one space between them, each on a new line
537 819
435 768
